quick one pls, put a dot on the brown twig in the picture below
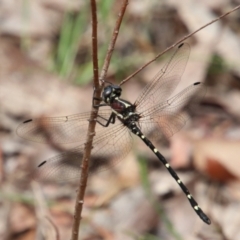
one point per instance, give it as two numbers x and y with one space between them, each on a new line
94 45
55 228
176 43
94 112
113 41
91 130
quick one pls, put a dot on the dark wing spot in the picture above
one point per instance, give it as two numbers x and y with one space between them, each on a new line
42 163
196 83
180 45
29 120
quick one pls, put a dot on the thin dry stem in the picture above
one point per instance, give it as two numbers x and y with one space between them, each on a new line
176 43
113 41
55 228
94 112
91 130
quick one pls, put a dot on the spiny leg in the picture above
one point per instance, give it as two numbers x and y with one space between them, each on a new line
98 105
192 201
111 120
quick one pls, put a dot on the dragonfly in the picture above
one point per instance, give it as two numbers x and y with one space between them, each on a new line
154 114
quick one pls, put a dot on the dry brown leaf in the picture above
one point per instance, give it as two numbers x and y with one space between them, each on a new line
219 158
21 219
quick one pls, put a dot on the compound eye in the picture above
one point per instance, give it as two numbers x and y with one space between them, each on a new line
117 90
107 91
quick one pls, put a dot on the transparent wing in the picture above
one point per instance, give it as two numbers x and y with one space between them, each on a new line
166 116
166 79
67 129
109 147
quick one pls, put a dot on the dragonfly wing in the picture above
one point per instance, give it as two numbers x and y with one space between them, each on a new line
67 129
167 117
166 80
109 146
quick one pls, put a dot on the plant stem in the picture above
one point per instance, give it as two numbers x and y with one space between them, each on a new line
92 123
176 43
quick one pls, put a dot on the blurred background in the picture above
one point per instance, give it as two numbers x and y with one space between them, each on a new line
46 70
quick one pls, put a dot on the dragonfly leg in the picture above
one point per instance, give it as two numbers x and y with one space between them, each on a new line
111 120
98 105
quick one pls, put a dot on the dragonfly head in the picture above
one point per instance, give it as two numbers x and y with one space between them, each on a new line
111 92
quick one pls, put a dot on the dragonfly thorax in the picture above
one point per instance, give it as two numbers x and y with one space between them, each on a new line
125 111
